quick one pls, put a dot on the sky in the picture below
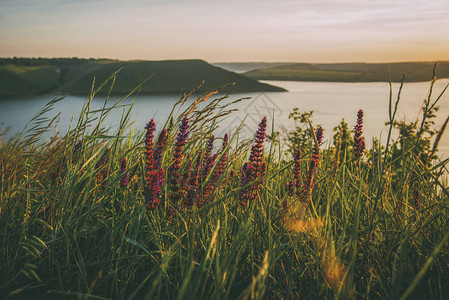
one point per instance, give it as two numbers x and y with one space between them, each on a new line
225 31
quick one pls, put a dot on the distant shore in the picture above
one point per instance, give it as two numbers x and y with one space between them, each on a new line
342 72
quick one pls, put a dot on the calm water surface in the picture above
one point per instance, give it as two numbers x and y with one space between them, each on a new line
330 102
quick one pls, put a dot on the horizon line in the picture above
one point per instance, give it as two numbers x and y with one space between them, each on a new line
228 62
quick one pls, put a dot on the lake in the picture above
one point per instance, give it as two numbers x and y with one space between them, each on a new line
330 101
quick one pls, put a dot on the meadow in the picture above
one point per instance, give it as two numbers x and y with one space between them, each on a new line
171 211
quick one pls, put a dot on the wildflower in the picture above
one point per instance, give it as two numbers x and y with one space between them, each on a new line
257 148
157 156
154 174
149 162
291 188
225 142
154 191
209 146
308 184
359 141
124 173
149 165
254 170
173 170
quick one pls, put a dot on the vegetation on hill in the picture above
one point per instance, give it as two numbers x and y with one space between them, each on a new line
351 72
173 212
22 76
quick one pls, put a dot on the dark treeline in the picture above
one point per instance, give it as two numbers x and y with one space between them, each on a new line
40 61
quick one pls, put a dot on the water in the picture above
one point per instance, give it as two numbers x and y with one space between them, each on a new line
330 102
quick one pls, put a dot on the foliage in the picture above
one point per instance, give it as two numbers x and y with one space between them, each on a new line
75 219
342 138
299 136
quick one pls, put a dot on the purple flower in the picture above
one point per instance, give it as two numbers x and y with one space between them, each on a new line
257 147
254 170
183 132
174 169
209 146
359 141
154 191
157 157
149 161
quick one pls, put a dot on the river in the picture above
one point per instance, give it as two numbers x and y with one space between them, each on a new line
330 101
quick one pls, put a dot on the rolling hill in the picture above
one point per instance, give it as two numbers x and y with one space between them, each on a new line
352 72
26 76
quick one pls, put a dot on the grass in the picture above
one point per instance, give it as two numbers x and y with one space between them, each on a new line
351 72
373 226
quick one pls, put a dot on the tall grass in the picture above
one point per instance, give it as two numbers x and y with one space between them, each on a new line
97 214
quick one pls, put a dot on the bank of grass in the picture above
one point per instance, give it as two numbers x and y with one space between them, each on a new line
71 226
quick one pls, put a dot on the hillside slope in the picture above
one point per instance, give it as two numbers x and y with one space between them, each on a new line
75 76
352 72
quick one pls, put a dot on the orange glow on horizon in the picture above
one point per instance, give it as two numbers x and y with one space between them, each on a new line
240 31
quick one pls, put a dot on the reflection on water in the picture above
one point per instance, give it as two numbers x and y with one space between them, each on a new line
330 102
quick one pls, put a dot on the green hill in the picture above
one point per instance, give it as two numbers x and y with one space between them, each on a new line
352 72
25 76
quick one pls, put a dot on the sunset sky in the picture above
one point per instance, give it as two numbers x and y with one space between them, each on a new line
219 31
